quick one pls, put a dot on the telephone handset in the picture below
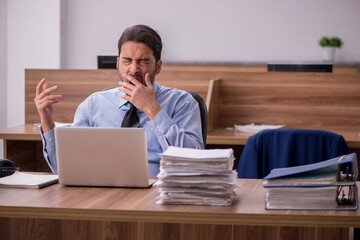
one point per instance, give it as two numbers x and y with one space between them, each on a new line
7 167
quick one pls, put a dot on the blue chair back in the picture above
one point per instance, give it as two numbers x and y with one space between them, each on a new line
279 148
203 114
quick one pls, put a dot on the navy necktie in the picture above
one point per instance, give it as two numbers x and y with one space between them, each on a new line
131 118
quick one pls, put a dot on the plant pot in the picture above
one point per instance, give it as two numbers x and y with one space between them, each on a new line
328 54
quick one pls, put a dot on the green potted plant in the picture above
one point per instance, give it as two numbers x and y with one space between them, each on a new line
328 47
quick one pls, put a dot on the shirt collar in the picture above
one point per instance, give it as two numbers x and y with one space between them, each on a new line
121 100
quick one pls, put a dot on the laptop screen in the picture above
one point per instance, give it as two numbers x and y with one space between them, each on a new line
89 156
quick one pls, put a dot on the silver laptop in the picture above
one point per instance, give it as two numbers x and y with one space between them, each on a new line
113 157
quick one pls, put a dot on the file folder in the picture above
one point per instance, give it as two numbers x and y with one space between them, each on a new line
327 185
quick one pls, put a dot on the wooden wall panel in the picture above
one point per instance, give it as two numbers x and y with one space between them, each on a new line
76 85
332 233
30 229
302 100
37 229
256 233
291 116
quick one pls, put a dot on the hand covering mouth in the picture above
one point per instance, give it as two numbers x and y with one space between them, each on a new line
137 77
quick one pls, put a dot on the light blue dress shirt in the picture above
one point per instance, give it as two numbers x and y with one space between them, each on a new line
178 123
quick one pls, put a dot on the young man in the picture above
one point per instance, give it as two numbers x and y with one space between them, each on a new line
171 117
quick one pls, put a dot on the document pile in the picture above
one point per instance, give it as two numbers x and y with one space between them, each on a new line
197 176
28 180
327 185
254 128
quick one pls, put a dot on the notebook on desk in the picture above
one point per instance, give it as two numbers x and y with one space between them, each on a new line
112 157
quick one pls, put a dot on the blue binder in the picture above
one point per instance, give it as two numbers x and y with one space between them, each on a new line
301 187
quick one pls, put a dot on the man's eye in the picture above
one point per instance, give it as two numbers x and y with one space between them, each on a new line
126 62
144 62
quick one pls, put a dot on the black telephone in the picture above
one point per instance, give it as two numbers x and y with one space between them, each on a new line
7 167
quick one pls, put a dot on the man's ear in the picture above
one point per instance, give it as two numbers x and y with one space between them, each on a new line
117 63
158 67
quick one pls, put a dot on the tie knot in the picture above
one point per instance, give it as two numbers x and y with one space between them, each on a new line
132 106
131 118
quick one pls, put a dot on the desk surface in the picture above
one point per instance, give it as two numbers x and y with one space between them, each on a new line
126 204
227 136
218 136
21 132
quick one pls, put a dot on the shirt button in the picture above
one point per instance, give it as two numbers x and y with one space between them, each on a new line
50 139
152 129
157 126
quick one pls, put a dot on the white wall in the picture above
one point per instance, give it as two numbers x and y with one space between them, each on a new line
3 68
33 41
71 33
212 30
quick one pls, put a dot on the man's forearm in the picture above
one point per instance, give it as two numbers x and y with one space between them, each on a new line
47 126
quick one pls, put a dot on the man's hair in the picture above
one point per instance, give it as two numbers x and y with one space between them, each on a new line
142 34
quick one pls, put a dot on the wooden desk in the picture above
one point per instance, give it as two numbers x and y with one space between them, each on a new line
124 213
22 144
228 136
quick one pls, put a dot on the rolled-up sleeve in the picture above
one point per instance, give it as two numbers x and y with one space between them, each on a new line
49 150
181 130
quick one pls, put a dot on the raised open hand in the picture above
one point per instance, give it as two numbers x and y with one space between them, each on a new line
45 101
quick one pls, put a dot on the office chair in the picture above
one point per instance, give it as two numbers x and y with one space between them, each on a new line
279 148
203 112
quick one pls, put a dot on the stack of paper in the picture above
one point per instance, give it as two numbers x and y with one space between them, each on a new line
326 185
255 128
197 176
28 180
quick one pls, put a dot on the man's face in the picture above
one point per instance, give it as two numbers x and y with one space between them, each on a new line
137 59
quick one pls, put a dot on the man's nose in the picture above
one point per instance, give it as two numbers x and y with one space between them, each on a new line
134 67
